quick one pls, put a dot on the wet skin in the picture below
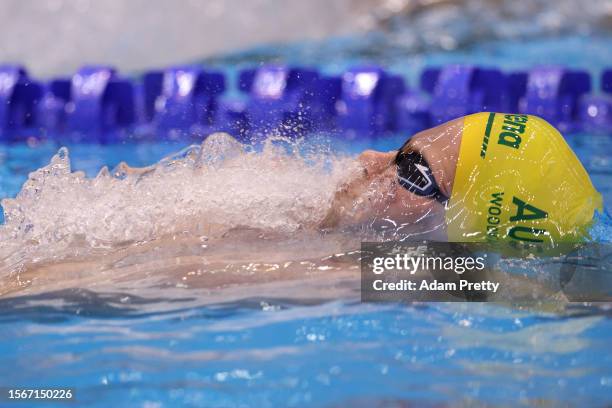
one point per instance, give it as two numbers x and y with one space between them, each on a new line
374 195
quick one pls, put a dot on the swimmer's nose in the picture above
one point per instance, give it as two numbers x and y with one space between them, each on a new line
375 162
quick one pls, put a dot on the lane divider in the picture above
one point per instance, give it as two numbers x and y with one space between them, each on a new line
99 105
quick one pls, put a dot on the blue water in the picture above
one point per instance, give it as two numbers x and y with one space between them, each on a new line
119 350
331 354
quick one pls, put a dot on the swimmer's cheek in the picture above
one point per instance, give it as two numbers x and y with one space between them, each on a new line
331 220
397 206
343 213
343 197
347 194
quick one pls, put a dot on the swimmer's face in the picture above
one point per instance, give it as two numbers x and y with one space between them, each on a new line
375 196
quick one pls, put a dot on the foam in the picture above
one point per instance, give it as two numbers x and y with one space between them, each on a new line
202 190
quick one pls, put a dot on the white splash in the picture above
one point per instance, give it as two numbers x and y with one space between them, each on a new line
201 190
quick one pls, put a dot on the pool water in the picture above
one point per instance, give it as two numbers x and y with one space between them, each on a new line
297 344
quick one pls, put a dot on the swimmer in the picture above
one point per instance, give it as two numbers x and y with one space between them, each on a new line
483 177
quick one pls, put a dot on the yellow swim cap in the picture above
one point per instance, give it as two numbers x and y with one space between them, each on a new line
518 180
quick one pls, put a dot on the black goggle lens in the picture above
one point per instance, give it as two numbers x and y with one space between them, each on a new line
414 174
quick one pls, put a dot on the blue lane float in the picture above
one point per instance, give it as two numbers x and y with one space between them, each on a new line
98 105
595 111
460 90
187 100
554 94
367 103
282 97
19 96
51 109
412 112
606 81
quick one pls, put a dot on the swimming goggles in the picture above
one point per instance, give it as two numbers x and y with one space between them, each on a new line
414 174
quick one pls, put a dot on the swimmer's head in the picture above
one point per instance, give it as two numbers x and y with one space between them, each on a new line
494 177
373 198
517 180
